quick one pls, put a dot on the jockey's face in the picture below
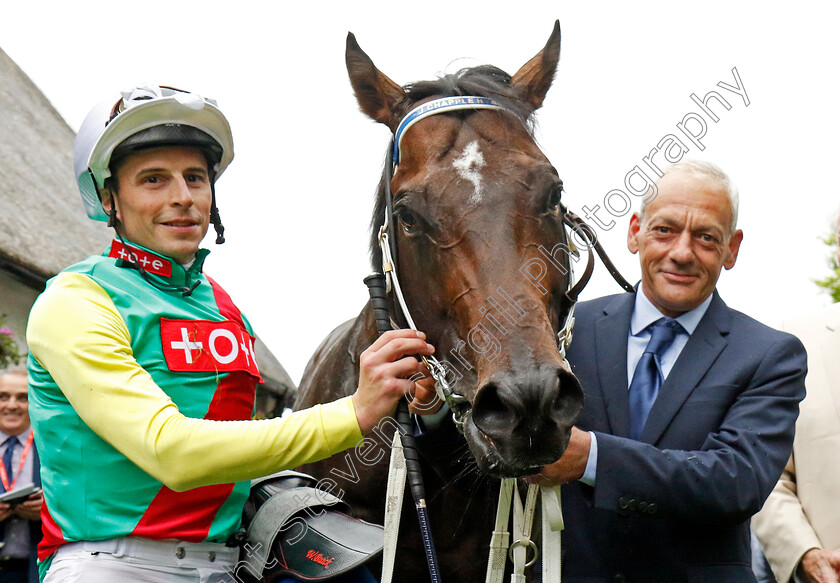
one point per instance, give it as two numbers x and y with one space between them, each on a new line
164 200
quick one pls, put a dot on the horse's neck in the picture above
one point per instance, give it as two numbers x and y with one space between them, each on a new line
362 333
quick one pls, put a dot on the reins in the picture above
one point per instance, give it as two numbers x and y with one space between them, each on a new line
405 462
404 459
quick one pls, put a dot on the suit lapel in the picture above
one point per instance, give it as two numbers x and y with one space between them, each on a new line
611 348
698 355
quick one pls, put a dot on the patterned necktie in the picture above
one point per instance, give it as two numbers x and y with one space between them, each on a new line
647 378
11 444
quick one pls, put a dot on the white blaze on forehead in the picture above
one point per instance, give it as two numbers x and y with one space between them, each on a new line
469 165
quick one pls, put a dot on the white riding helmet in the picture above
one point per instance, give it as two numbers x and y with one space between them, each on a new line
179 118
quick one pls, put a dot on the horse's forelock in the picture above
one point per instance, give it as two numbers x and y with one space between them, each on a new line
481 81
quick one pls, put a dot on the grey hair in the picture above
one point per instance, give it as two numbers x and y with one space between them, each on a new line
709 170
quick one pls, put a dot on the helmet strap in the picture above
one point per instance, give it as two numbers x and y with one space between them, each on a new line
215 218
112 214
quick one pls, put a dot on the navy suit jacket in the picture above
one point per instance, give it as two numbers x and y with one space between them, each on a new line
674 506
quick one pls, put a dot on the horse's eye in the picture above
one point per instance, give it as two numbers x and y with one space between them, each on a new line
554 199
406 219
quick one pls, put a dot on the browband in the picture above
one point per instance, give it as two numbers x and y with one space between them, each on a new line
437 106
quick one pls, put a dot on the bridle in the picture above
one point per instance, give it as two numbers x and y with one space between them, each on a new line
404 461
388 245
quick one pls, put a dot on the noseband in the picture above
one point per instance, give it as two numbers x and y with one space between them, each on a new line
388 245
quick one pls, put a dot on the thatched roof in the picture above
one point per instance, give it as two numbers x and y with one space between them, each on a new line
43 227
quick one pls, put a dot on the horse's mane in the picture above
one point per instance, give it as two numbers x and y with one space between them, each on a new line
481 81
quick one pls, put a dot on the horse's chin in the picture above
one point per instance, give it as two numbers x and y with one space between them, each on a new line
492 463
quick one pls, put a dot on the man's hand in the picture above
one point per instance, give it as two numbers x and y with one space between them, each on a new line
31 509
426 400
5 511
571 466
820 566
386 370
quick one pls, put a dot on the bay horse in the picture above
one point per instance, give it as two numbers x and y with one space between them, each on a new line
475 203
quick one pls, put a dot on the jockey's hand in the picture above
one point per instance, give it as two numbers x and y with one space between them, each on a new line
385 375
571 466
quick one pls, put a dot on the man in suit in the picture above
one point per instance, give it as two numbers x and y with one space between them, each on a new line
20 524
799 526
689 405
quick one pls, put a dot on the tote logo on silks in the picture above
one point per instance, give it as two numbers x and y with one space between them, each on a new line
207 346
149 261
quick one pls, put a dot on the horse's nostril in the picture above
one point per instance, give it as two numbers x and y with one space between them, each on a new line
491 414
569 400
539 402
521 420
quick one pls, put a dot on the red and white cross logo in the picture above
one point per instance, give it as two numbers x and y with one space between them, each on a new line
207 345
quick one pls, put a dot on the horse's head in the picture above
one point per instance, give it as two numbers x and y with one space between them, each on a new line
475 202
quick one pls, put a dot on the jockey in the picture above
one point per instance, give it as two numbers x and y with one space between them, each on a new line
143 372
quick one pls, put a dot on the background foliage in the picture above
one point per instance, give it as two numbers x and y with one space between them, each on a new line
831 284
9 351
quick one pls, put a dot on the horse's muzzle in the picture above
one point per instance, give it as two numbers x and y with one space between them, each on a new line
521 422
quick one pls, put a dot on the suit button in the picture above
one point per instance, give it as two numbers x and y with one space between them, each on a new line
619 578
652 508
622 503
632 505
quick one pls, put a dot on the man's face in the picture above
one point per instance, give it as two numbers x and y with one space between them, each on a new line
684 241
164 200
14 405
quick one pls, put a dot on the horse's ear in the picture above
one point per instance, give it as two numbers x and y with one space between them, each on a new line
535 76
376 93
